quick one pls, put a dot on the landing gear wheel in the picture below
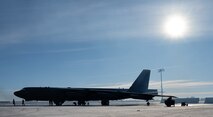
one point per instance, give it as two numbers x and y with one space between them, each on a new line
147 103
105 102
81 103
58 102
50 103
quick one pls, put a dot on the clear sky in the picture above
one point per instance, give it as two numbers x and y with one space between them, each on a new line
105 43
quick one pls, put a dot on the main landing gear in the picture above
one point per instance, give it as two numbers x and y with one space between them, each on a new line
81 103
58 102
105 102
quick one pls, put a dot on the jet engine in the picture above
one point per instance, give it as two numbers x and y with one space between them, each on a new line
169 102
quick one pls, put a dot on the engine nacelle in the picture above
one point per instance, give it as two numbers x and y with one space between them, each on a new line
169 102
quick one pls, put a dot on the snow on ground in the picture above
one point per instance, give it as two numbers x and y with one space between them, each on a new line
107 111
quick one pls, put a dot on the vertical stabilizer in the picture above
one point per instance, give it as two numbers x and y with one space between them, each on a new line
141 83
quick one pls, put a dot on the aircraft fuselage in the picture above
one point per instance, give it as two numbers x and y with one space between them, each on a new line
71 94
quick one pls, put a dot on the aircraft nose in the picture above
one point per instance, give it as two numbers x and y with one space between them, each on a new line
17 93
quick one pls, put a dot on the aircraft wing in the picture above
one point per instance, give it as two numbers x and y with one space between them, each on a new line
166 96
129 94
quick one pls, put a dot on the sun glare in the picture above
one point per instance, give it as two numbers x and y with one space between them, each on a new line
175 26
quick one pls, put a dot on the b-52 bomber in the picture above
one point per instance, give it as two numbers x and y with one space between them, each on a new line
138 90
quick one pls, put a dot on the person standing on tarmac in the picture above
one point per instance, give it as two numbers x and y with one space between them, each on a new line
14 102
23 104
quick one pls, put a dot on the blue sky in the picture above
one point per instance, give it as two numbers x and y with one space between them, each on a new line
101 43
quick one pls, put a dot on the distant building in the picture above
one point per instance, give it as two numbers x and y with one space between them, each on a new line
208 100
187 100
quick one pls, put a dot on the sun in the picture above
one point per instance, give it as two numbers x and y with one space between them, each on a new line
176 26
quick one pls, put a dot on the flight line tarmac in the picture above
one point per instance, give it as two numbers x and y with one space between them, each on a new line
159 110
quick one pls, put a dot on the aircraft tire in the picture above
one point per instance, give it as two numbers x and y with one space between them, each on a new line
58 102
147 103
81 103
105 102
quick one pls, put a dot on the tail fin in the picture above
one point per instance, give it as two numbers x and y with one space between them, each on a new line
141 83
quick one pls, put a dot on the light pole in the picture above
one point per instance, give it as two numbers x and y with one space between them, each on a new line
161 70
